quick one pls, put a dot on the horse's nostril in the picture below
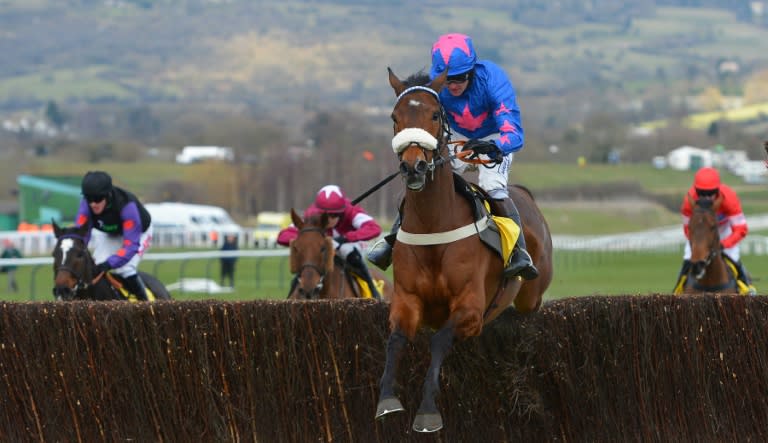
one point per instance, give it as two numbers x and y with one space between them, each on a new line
421 167
403 168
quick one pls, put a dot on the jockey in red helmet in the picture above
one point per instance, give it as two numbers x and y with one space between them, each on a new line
350 225
731 220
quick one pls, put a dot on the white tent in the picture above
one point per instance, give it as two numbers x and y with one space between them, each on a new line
686 158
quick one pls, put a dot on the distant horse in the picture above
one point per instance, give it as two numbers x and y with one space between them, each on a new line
709 270
73 268
321 273
450 283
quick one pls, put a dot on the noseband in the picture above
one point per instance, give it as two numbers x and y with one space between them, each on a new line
421 138
320 269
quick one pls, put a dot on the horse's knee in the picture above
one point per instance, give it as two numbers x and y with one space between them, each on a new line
527 301
407 322
468 323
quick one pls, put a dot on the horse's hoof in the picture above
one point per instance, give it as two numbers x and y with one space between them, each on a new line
431 422
388 406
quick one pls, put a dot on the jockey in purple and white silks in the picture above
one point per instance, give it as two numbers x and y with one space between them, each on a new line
120 229
481 106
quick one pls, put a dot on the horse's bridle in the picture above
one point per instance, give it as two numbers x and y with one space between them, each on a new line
715 249
437 159
321 269
81 284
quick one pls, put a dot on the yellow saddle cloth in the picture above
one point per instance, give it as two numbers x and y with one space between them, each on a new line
508 231
365 291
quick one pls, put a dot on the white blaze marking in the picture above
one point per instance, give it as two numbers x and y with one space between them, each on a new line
413 102
66 245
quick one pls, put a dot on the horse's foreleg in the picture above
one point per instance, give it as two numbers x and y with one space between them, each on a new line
388 402
428 418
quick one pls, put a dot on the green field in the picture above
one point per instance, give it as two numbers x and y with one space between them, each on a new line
577 273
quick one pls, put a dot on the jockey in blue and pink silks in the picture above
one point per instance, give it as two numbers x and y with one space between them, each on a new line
481 106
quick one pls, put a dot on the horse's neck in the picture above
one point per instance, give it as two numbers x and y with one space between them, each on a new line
436 207
338 284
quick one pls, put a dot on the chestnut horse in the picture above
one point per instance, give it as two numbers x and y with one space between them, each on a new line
321 274
450 283
709 270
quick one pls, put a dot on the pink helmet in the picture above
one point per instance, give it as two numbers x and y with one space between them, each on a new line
330 198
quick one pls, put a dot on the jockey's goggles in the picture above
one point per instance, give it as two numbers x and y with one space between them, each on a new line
705 193
461 78
95 198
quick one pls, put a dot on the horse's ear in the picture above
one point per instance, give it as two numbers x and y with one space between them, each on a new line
437 84
718 202
331 252
83 229
297 221
397 85
293 259
56 228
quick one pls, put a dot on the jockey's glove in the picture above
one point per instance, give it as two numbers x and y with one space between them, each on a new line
340 239
101 267
484 147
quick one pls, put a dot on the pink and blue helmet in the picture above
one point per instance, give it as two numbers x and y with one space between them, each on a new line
454 51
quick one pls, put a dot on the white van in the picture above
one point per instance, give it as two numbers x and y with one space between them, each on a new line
192 218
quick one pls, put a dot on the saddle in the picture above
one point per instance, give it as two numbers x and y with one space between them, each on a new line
116 284
353 275
502 232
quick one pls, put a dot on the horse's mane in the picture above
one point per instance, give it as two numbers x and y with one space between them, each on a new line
420 78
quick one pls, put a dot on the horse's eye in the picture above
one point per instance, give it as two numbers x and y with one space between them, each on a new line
436 116
394 119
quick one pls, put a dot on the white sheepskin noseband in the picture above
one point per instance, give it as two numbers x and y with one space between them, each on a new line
409 136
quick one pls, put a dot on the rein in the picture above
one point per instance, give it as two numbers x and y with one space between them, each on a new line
715 249
446 129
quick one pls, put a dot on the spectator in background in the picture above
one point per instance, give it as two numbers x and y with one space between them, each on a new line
10 251
228 263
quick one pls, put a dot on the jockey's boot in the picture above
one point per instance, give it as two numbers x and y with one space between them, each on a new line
135 286
520 264
681 278
358 264
380 254
744 277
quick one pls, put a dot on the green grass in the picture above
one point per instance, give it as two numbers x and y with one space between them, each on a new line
576 273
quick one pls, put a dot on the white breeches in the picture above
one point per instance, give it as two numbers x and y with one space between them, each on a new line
105 245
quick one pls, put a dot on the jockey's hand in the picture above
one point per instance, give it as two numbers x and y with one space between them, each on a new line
340 239
101 267
484 147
